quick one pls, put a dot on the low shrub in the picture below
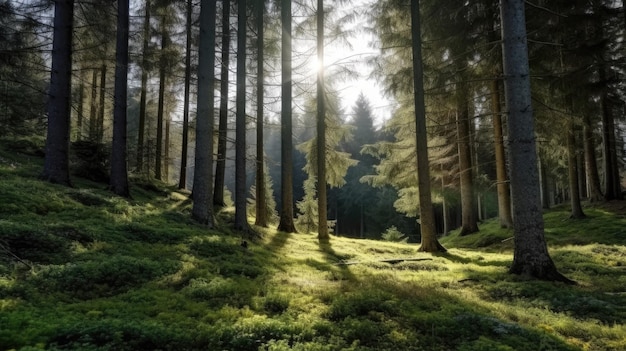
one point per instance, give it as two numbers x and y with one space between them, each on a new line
108 276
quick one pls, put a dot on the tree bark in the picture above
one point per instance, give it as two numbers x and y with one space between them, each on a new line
286 149
261 203
81 107
56 164
530 255
611 172
504 194
100 123
576 208
202 210
93 109
427 214
158 167
469 224
322 232
220 166
119 172
182 181
591 165
144 89
241 217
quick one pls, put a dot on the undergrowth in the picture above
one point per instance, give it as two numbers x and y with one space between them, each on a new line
81 269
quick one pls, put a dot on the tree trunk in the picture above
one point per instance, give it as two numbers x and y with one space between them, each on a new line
100 125
158 167
545 189
321 129
93 110
469 224
577 210
81 107
504 195
591 165
286 149
201 194
182 180
611 173
261 203
119 172
241 218
530 255
427 213
166 148
56 164
220 167
144 89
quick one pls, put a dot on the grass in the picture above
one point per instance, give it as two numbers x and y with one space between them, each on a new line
81 269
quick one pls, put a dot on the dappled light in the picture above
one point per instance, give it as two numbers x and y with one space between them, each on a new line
136 274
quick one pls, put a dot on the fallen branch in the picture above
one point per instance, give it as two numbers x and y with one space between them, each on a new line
387 260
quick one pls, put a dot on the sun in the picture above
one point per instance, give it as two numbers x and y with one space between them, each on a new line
315 65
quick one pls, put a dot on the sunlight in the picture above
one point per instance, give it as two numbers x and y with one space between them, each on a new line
315 65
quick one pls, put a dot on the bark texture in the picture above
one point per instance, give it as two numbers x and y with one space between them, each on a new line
428 230
56 164
530 255
202 193
119 171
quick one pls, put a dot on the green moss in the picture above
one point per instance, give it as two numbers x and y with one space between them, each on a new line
104 273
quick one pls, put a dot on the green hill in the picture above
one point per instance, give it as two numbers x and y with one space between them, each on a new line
81 269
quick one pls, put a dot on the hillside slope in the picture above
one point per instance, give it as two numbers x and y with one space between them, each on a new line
81 269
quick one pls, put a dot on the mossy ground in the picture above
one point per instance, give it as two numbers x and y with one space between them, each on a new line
81 269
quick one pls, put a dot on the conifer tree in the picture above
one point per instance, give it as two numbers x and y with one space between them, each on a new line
119 172
220 165
286 159
241 221
531 255
56 165
202 194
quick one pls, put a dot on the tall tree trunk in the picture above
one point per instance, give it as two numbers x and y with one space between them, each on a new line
103 85
182 180
241 217
144 89
545 189
93 109
81 107
530 255
427 213
119 172
577 210
158 165
202 210
469 223
220 167
56 165
321 129
611 172
591 165
166 148
504 195
286 149
261 203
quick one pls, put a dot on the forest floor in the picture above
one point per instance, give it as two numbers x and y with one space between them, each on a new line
81 269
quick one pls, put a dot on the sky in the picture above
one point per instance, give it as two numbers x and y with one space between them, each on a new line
362 45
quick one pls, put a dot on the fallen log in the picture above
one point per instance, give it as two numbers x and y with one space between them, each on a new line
386 260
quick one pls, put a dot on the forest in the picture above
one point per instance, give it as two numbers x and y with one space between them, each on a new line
311 175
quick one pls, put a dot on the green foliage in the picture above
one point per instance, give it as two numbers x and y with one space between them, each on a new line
393 234
105 276
113 274
307 219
